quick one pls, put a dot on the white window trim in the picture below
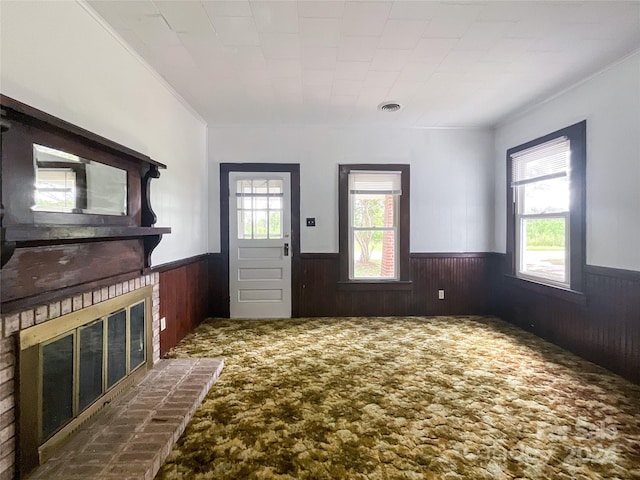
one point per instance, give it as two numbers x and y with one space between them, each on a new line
396 241
520 219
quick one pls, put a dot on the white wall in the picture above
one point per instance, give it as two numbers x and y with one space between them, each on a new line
55 56
451 178
610 102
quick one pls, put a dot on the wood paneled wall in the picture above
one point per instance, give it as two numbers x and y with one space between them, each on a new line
37 274
184 298
465 278
603 328
218 286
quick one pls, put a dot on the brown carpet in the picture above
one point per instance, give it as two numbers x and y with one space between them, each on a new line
402 398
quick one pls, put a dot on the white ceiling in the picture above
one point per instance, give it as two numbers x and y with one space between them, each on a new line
448 63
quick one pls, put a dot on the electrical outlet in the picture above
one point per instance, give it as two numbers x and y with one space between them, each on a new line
311 221
440 294
163 323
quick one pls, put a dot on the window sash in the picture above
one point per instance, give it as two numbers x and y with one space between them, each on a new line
543 162
552 160
402 222
574 140
519 244
394 228
375 182
396 251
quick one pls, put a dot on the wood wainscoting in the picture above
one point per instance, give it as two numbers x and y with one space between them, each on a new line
218 285
465 278
184 298
603 326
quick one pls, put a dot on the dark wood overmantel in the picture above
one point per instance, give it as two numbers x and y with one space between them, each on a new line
59 251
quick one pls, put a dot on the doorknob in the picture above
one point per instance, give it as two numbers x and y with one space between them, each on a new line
286 249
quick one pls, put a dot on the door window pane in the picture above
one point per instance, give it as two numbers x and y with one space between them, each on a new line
260 224
260 203
275 203
116 348
57 385
260 206
91 355
275 224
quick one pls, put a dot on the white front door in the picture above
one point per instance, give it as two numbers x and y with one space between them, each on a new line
260 244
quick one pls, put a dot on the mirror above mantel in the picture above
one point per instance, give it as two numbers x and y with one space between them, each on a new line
67 183
75 208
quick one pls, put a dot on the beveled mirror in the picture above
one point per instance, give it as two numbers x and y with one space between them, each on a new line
67 183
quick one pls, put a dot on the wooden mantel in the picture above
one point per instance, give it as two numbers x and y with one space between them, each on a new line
49 254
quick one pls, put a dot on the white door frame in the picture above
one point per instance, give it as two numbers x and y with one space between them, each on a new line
294 248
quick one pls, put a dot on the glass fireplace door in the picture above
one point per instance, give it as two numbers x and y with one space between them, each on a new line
81 365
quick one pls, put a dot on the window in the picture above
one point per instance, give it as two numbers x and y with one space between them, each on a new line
546 198
374 223
260 204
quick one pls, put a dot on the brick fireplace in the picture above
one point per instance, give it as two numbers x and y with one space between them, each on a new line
13 323
76 234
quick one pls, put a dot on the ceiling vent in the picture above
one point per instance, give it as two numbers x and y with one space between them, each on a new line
389 107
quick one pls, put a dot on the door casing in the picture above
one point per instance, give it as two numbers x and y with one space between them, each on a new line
294 171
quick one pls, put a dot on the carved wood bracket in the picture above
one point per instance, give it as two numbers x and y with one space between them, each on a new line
148 215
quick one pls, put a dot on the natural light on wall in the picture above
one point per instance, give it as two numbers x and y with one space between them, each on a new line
542 185
373 223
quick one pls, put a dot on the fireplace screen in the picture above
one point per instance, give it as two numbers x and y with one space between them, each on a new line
78 362
60 380
57 384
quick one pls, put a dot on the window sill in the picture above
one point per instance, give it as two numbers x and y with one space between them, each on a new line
565 294
368 285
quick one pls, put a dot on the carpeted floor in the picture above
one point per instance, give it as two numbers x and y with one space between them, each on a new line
402 398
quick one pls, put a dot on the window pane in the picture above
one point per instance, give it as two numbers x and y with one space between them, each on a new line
91 348
136 328
276 186
275 225
275 203
373 210
57 385
244 186
373 254
260 224
260 203
245 203
247 224
116 348
261 216
260 186
549 196
543 248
